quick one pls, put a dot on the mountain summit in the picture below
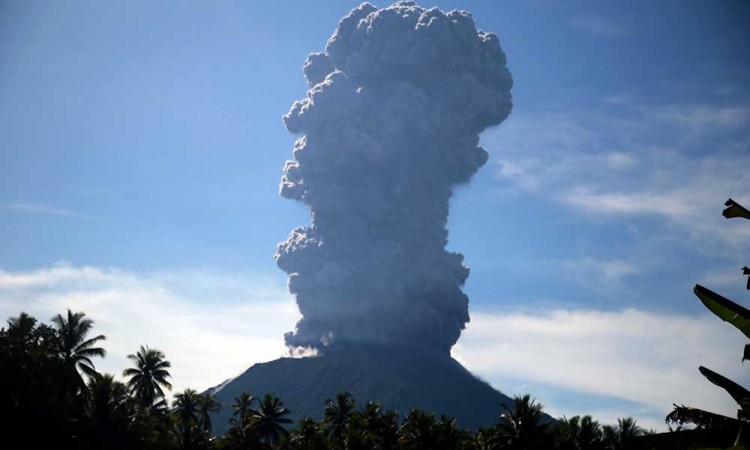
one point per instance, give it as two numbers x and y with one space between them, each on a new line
397 378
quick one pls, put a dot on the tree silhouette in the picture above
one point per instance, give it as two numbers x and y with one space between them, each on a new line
270 419
189 432
523 427
578 433
241 433
109 413
739 317
148 377
207 404
336 415
75 350
307 435
621 436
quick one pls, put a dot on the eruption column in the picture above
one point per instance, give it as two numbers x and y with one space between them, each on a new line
391 123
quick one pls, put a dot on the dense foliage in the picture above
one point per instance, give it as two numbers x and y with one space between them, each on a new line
52 395
739 317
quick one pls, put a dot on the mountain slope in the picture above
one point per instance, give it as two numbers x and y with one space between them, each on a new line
399 379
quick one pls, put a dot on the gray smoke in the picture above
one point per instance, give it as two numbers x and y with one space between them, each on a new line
391 123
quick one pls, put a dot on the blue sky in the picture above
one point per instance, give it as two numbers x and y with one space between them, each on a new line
142 145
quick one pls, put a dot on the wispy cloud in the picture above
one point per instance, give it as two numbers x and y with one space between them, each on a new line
598 273
649 360
32 208
600 26
211 326
586 199
678 163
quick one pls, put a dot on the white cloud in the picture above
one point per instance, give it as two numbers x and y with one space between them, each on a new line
650 359
210 326
598 273
600 26
32 208
585 198
704 117
647 358
675 163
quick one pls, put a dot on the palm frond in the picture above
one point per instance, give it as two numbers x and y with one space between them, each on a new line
702 419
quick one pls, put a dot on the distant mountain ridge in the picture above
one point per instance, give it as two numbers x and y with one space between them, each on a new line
397 378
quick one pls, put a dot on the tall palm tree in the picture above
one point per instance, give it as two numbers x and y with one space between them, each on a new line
186 407
75 350
578 433
617 438
336 415
308 435
241 432
523 427
369 420
189 433
270 419
149 376
207 404
109 412
419 431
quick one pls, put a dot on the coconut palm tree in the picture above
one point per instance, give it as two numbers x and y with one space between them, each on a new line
578 433
336 415
189 433
109 412
75 350
270 419
308 435
369 424
617 438
241 432
419 431
186 407
207 404
148 377
523 427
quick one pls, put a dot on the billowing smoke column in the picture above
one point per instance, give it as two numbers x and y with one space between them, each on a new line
391 123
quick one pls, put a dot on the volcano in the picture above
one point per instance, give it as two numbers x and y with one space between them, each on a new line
389 127
397 378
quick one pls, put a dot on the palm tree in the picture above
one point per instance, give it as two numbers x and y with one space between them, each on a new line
241 432
75 350
149 376
308 435
617 438
189 433
370 424
336 415
270 420
186 407
578 433
419 431
523 428
207 404
109 412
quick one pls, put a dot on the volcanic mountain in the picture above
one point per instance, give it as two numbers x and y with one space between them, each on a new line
397 378
389 126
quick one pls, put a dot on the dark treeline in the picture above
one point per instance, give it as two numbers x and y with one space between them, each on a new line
52 396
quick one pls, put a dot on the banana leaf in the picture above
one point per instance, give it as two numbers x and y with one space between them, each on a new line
725 309
738 393
702 419
735 210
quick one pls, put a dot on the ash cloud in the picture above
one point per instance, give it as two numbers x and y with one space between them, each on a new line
390 124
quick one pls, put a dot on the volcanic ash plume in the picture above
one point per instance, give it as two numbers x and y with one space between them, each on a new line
391 122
